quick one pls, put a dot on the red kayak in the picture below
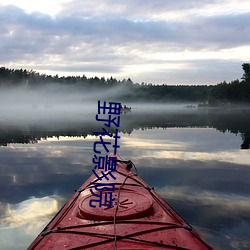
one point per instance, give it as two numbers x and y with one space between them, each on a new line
117 210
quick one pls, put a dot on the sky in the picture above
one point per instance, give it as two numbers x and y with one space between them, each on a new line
152 41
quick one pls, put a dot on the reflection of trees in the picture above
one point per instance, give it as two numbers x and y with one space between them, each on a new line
234 121
16 137
19 134
246 141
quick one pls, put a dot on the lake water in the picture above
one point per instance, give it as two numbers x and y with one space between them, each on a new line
197 160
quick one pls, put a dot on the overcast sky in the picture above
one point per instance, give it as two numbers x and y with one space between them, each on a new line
154 41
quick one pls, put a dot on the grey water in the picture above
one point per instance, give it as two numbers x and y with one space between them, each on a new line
198 160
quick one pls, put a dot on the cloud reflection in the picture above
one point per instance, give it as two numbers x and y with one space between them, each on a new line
225 215
198 171
223 156
228 203
22 222
185 144
29 211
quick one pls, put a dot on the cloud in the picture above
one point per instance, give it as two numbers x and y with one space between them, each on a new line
116 30
146 9
115 38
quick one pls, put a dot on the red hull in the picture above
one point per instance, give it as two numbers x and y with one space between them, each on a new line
142 220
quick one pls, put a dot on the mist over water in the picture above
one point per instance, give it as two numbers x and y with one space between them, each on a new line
53 102
58 102
60 107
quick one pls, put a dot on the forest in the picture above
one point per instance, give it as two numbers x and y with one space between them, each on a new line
224 93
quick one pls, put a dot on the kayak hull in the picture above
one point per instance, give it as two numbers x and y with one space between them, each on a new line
138 218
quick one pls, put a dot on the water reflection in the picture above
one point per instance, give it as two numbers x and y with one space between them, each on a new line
195 166
28 211
84 124
20 222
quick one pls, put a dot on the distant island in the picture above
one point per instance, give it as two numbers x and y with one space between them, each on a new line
236 92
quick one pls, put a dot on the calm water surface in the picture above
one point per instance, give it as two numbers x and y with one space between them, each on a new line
192 158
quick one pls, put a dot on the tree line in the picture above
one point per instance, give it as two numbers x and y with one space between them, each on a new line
236 91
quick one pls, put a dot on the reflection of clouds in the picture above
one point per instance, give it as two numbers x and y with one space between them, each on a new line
25 220
29 212
222 219
2 209
150 144
45 168
202 172
228 203
52 157
185 139
236 156
203 144
226 240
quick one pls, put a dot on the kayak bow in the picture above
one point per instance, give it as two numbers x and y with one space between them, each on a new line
138 218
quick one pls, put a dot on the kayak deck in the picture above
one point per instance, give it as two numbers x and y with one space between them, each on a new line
138 218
